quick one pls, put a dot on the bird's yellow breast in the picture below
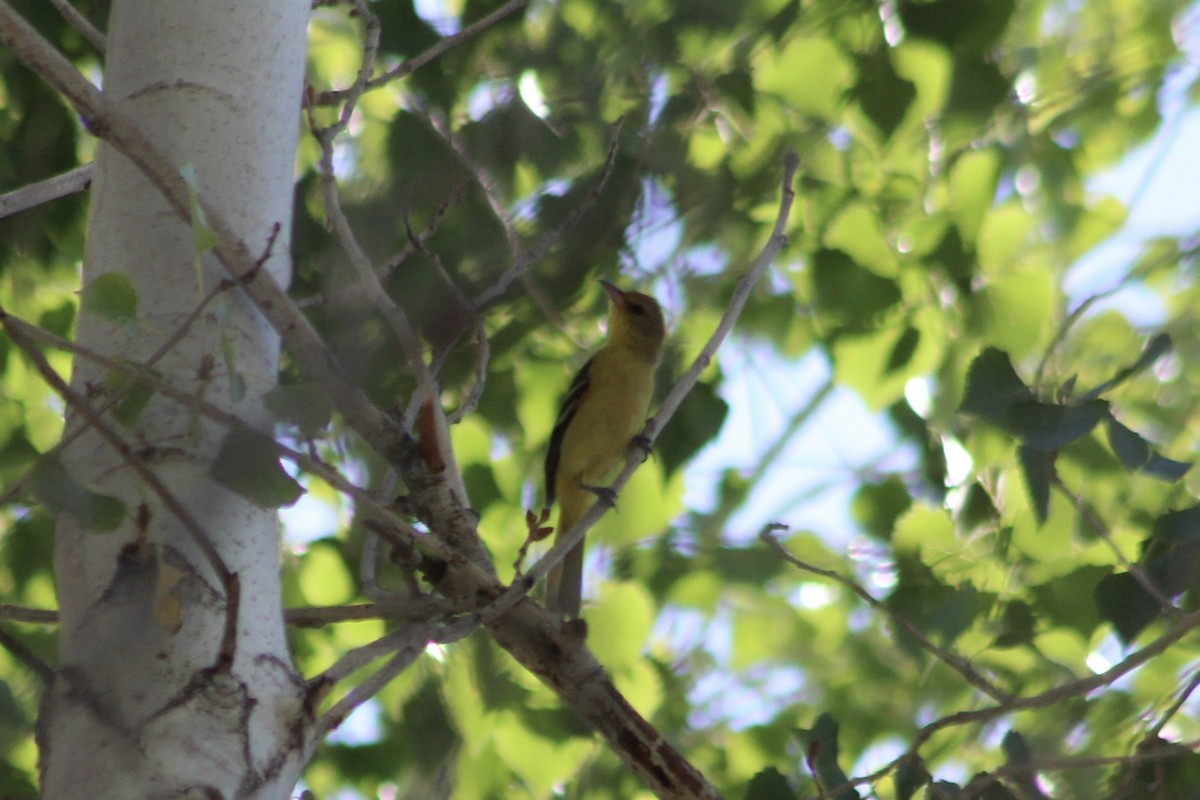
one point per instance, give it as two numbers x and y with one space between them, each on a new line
611 413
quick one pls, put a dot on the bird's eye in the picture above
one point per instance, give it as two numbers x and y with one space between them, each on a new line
636 309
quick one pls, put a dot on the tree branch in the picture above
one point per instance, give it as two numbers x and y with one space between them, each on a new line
36 194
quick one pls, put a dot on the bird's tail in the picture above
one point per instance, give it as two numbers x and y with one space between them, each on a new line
564 585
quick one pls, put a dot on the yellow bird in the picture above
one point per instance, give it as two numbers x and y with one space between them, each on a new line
604 410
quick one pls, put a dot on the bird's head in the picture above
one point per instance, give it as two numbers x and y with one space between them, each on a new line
635 320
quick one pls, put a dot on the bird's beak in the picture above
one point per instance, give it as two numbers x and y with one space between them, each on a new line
615 295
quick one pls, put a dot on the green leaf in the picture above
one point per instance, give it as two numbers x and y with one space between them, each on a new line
1131 450
1048 426
112 297
883 95
203 237
1125 603
1179 527
847 294
1020 758
1059 599
1016 625
993 387
53 486
751 565
909 777
1165 468
134 399
769 784
306 405
248 464
1037 466
903 350
698 420
822 743
877 506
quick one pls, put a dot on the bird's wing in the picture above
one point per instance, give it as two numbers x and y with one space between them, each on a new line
570 407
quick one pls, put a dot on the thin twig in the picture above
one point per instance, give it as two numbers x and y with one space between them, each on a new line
548 241
415 63
406 644
1100 527
80 23
27 657
1077 688
952 660
368 279
1177 704
38 616
36 194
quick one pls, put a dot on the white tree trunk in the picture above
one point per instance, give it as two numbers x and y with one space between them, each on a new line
143 705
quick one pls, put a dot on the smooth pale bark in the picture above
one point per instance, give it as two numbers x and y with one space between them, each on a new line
141 706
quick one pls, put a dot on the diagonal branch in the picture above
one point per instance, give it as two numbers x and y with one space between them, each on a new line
35 194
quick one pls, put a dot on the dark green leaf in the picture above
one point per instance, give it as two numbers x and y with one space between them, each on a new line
1020 757
15 784
58 320
697 421
984 786
877 506
1038 467
53 486
1125 603
1061 600
1179 527
902 351
1047 426
883 95
930 604
111 296
248 464
1162 769
822 743
1131 449
909 777
753 565
993 387
134 399
769 784
305 405
1016 625
849 296
431 733
1165 468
